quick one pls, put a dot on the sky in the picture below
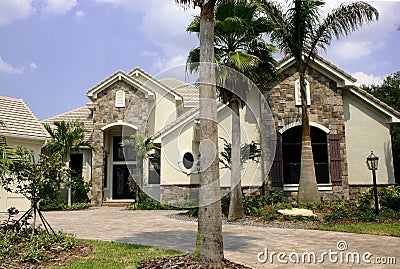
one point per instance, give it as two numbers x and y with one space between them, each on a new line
53 51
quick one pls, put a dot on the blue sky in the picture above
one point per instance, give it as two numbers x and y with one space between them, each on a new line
53 51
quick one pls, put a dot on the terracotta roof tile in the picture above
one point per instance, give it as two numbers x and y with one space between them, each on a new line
19 120
82 114
189 92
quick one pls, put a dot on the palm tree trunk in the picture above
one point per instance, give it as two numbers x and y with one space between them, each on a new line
236 205
139 184
209 243
308 188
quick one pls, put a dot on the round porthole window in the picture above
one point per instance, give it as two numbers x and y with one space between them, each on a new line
188 160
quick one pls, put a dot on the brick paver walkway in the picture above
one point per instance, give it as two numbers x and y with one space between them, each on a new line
241 243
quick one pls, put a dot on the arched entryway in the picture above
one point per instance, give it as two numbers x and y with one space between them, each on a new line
119 162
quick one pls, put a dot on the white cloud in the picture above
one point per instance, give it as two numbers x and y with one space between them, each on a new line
58 7
147 53
8 68
365 79
33 66
80 14
15 10
351 50
163 23
161 64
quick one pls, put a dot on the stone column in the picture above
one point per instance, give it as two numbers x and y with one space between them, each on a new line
98 167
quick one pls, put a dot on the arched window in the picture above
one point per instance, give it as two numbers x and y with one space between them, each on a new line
291 151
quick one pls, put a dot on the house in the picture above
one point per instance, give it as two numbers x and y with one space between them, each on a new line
346 124
20 128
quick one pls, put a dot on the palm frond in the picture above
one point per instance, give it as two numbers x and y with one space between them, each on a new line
341 22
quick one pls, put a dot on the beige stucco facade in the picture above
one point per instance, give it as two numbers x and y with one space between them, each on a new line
18 201
367 129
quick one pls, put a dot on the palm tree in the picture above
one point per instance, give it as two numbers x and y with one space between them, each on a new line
238 45
66 136
301 32
209 243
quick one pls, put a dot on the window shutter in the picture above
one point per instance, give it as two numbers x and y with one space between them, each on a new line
335 159
277 165
297 93
120 99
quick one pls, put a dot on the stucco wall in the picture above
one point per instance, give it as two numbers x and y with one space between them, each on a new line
180 140
367 129
7 199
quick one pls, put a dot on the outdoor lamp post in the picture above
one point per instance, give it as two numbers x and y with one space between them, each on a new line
372 163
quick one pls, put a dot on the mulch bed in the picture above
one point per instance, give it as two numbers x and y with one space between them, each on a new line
54 257
186 262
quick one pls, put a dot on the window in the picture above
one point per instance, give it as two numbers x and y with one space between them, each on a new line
297 93
291 151
120 153
120 98
188 160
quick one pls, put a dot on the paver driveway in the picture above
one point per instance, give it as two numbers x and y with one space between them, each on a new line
241 243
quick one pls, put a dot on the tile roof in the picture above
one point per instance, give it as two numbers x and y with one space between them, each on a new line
189 92
82 114
19 120
376 100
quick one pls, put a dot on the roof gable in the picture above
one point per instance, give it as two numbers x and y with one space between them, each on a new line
136 72
325 67
117 76
19 120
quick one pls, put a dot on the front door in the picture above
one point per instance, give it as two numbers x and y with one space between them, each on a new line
123 165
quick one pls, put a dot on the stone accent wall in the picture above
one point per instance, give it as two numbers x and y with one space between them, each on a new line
135 112
326 109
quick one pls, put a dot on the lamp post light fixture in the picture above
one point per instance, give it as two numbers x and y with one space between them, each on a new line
372 163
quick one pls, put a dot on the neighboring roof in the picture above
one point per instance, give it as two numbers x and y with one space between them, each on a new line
117 76
189 92
329 67
82 114
375 102
19 120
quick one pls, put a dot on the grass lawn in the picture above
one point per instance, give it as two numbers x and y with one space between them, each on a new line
112 255
391 229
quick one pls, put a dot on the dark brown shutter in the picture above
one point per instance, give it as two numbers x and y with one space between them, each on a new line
277 166
335 159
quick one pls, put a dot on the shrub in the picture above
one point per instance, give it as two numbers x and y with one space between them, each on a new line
254 205
270 213
56 203
339 212
389 197
365 198
79 188
274 198
25 247
365 214
389 214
